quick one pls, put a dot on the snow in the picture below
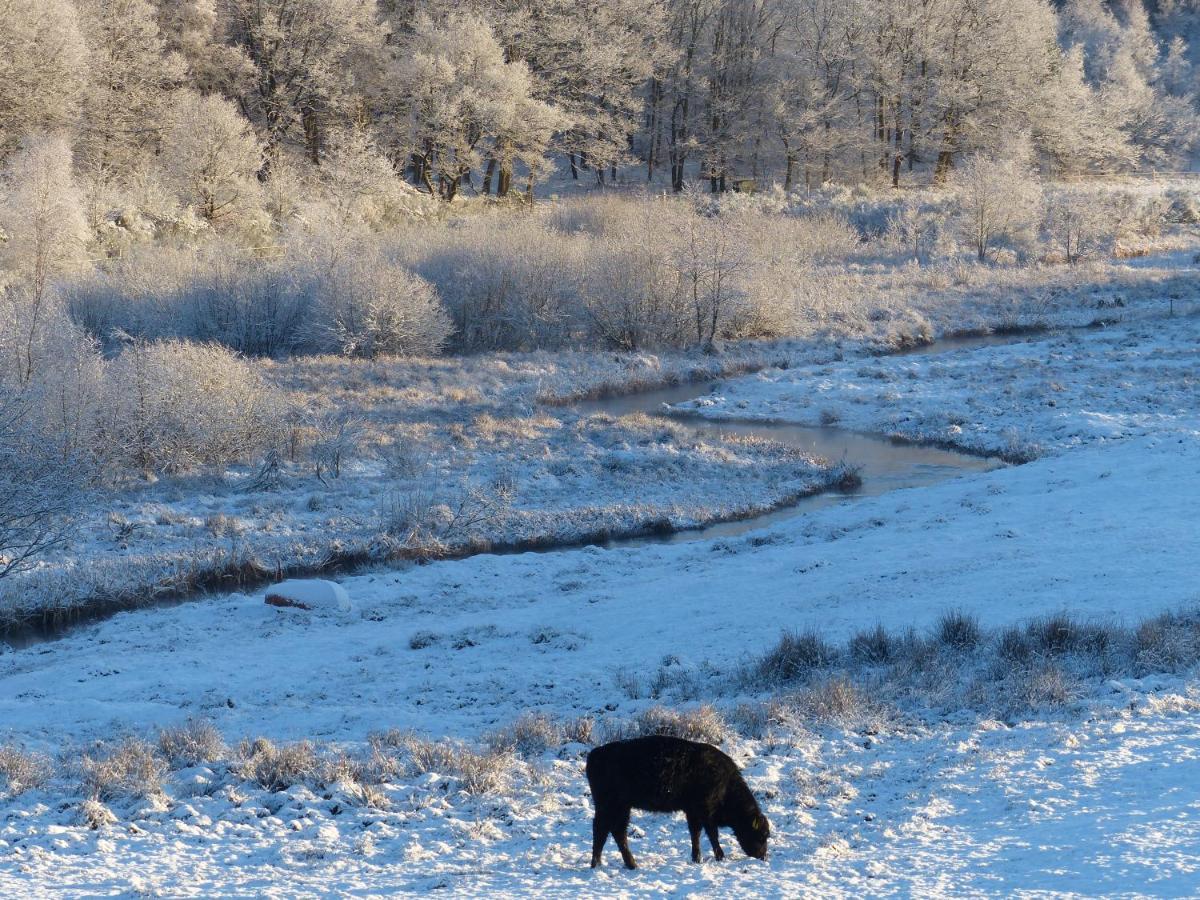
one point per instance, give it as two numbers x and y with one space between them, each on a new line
311 593
1093 798
1036 395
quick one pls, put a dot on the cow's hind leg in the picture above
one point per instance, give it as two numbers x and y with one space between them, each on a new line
620 829
600 829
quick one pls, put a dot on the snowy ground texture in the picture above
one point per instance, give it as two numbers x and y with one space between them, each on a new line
1085 787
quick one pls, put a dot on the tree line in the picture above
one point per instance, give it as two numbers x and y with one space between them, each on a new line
208 97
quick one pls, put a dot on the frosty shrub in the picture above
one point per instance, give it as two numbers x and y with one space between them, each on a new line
194 742
509 283
1078 223
1184 206
794 657
702 723
215 292
175 406
95 815
1037 686
337 437
38 486
132 769
478 772
958 630
277 768
837 700
999 200
21 771
1167 643
368 306
916 229
530 735
874 646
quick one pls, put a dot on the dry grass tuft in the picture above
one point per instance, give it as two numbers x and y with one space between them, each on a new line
132 769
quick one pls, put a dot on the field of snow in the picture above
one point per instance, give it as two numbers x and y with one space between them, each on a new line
1088 790
1042 394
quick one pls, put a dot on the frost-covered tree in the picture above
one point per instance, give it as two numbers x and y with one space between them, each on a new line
131 77
43 68
211 157
460 102
1078 222
304 55
38 488
45 238
999 198
363 185
710 259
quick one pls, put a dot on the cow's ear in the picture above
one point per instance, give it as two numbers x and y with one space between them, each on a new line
757 823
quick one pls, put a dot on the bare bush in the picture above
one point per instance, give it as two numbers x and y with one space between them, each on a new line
581 730
175 406
958 630
796 656
530 735
133 769
195 742
277 768
21 771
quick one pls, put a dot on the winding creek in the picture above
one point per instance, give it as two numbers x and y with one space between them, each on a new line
884 464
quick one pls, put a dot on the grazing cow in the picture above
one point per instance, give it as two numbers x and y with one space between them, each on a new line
667 774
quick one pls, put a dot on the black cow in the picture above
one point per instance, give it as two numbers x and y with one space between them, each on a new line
667 774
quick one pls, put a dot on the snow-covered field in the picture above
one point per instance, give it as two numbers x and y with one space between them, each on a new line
1086 793
1042 394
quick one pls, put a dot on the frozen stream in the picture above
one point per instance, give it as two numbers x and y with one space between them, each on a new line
884 464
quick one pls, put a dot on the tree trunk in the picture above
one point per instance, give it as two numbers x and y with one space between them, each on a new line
488 173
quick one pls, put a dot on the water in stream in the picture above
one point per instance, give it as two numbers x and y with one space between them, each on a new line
885 465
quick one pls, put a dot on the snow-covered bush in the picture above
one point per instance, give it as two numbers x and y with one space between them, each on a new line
213 292
174 406
530 735
508 282
1185 206
195 742
794 657
277 768
21 770
999 200
369 306
1078 223
916 228
132 769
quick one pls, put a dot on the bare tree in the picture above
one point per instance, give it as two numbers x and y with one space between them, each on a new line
38 489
